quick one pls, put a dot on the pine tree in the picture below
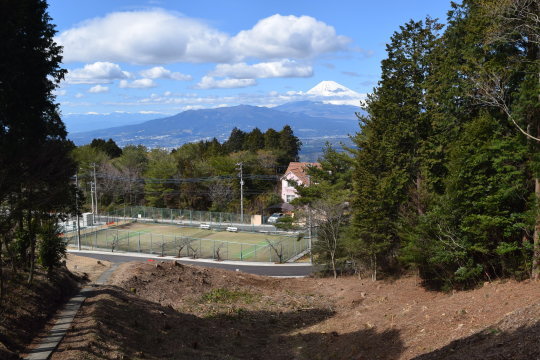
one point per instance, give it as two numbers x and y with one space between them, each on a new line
476 225
236 141
289 146
35 166
388 161
254 140
271 139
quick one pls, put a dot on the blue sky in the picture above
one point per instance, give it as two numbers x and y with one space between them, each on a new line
153 57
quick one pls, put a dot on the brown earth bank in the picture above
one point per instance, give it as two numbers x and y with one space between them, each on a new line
173 311
26 312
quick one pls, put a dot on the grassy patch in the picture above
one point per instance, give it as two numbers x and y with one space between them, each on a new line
226 296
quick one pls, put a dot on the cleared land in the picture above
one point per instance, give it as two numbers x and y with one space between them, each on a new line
175 240
168 311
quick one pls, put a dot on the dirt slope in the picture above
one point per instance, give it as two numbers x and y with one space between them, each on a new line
168 311
25 310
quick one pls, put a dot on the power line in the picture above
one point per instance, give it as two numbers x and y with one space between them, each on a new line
187 180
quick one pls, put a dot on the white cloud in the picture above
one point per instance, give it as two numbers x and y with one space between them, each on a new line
79 95
150 112
159 72
280 36
282 68
95 113
158 37
97 73
208 82
191 107
138 84
143 37
60 92
98 89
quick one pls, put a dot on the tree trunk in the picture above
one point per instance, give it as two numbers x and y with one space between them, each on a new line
10 254
332 255
1 275
374 263
536 236
32 236
419 204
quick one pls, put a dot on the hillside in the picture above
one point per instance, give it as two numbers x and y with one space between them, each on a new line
166 311
314 123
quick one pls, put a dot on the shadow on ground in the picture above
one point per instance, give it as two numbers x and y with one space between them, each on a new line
514 337
25 310
123 325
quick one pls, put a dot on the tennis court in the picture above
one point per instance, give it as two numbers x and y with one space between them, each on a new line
176 240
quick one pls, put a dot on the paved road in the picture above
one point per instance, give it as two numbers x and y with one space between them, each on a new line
266 269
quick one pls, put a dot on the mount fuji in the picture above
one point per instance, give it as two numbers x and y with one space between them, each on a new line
330 92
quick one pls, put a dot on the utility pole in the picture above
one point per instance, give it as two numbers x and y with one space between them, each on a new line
77 210
241 192
92 196
95 190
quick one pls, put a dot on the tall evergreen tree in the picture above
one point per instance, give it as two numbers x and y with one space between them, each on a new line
289 145
271 139
254 140
388 162
235 141
477 223
34 153
109 147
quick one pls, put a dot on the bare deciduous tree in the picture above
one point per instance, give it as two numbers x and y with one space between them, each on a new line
181 244
217 251
330 217
194 251
220 193
277 248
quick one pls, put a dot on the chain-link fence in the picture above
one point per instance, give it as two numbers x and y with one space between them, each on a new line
260 247
178 216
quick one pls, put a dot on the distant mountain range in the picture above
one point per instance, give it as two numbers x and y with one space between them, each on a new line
312 121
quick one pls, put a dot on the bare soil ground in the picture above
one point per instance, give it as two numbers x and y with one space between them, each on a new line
171 311
86 268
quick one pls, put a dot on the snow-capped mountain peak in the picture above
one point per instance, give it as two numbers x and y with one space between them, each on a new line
333 93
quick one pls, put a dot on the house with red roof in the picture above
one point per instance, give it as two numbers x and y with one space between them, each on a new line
296 172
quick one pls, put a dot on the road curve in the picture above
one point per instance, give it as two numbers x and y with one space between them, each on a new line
267 269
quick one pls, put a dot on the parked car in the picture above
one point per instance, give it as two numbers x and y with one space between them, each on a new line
274 218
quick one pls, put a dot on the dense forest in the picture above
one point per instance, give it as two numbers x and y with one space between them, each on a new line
204 175
445 177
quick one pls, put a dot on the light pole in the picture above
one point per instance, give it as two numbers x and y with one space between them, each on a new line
241 192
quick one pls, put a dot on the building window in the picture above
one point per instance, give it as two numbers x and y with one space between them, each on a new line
290 198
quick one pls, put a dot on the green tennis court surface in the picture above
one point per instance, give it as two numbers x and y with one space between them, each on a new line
174 240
